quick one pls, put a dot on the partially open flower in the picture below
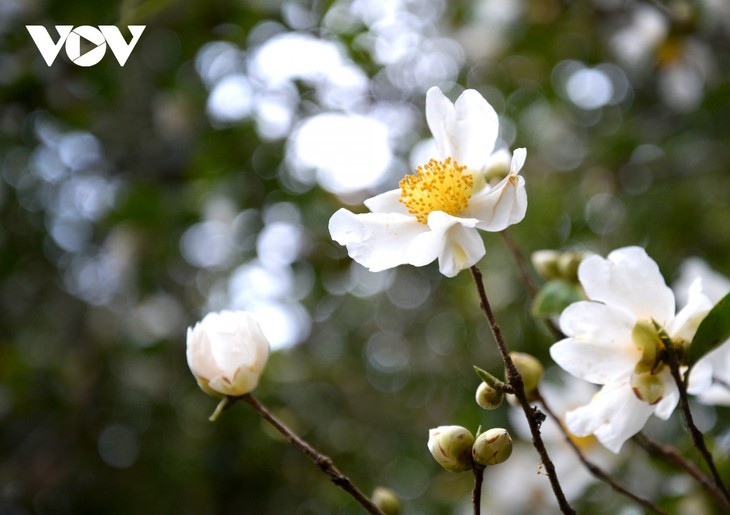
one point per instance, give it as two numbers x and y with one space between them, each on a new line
227 353
451 447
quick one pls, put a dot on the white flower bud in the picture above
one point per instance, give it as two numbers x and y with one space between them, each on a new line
227 353
530 369
545 263
492 447
386 500
488 398
451 447
568 264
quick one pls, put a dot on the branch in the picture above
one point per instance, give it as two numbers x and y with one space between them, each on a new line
673 456
533 415
476 493
592 467
324 463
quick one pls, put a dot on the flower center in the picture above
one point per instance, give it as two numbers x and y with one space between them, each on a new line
436 186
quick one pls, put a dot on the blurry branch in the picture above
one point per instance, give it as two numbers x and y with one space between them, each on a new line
697 437
672 456
514 378
592 467
324 463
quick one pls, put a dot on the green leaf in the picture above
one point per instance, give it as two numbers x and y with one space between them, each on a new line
713 330
555 296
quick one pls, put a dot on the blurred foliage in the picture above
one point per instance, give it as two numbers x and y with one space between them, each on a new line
106 170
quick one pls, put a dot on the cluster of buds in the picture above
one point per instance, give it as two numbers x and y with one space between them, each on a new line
553 264
456 449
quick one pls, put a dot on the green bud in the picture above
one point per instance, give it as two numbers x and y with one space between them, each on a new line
646 338
492 447
451 447
488 398
647 387
386 500
530 369
568 264
545 263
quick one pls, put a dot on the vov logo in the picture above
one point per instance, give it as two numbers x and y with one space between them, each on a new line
99 38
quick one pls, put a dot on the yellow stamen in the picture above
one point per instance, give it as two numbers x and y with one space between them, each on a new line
436 186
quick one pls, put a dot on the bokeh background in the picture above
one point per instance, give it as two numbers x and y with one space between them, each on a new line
201 176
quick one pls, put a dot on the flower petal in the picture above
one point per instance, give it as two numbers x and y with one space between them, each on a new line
628 279
465 131
664 408
452 240
599 347
388 202
614 415
685 324
377 241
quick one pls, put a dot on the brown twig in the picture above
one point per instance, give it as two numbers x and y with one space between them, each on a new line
533 415
674 457
592 467
697 437
324 463
476 493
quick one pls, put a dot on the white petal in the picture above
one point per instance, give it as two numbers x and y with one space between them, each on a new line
685 324
500 207
713 367
628 279
465 131
518 160
614 415
377 241
599 347
387 202
664 408
452 240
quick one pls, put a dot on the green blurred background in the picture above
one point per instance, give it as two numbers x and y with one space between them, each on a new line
202 174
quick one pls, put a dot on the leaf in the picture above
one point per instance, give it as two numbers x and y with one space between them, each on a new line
713 330
555 296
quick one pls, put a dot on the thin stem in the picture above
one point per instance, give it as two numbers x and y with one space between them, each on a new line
533 415
476 493
324 463
697 437
674 457
592 467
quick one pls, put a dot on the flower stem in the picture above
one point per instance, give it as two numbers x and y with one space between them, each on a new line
324 463
592 467
476 493
533 415
674 457
697 437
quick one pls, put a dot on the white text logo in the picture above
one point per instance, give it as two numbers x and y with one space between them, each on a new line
99 38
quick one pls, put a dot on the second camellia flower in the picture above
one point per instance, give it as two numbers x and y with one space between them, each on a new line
435 213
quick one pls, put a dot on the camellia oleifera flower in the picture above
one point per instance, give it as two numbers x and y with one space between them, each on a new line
615 339
436 212
227 353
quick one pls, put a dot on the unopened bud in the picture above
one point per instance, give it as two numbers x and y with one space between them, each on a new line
530 369
492 447
647 387
488 398
568 264
386 500
545 263
451 447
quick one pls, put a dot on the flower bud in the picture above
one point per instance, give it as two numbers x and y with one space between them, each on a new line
451 447
492 447
568 264
545 263
488 398
647 387
646 338
227 353
530 369
386 500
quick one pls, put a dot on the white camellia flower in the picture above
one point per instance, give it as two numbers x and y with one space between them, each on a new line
611 341
227 353
435 213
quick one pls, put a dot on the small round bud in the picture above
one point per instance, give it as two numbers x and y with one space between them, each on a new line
488 398
545 263
386 500
530 369
568 263
451 447
647 387
492 447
